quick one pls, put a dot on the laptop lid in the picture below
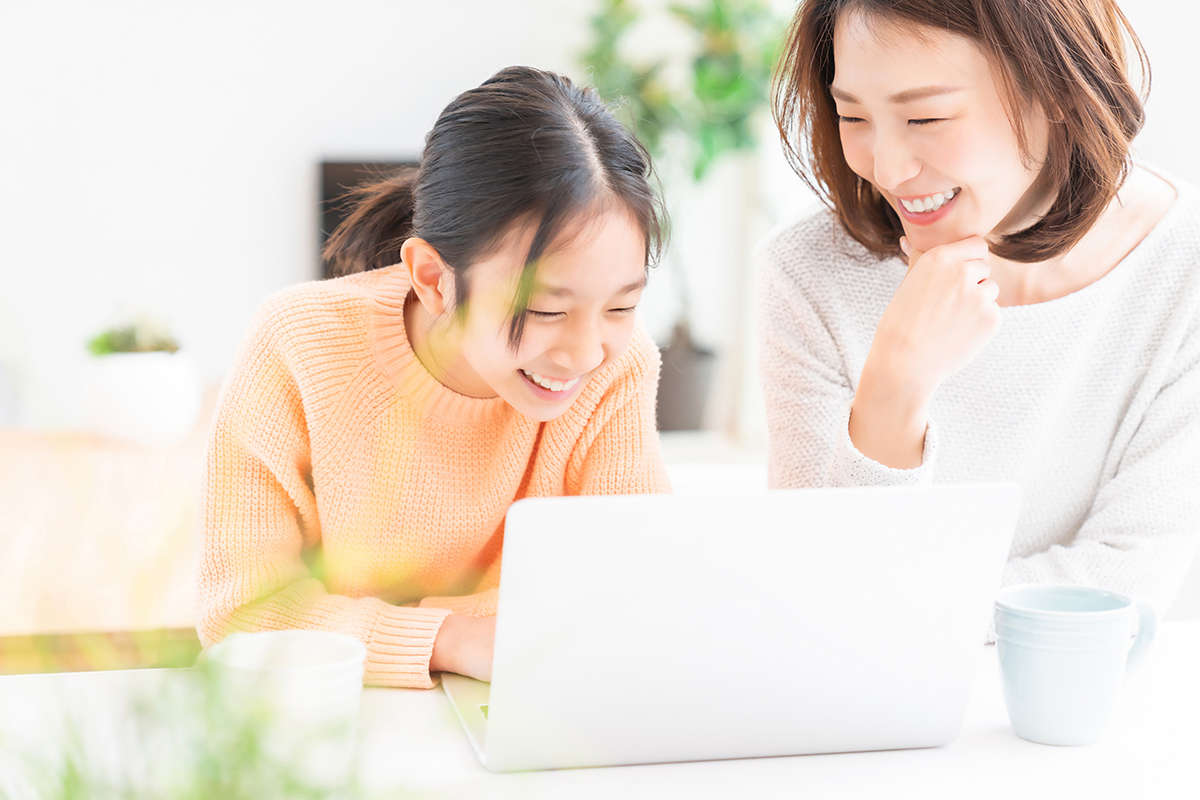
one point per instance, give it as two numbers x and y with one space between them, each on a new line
653 628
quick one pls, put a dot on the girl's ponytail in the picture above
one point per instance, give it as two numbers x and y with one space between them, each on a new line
380 220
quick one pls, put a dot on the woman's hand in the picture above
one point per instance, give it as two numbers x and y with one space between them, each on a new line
464 645
939 320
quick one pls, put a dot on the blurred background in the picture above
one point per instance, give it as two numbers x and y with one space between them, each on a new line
163 162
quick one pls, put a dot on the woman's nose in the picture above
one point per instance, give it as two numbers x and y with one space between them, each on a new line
894 161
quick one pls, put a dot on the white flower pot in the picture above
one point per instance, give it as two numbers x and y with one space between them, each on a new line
150 398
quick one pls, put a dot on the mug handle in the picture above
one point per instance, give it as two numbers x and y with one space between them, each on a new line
1147 627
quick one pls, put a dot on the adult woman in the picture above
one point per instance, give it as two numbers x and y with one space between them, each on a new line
1042 328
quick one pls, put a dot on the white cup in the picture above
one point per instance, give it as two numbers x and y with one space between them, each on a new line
1064 652
297 694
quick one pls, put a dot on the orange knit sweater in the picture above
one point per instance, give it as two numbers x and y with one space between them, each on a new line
347 490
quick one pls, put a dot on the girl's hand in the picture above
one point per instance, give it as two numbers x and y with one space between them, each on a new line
464 645
939 320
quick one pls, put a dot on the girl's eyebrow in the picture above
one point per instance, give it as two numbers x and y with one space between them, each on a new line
907 96
562 291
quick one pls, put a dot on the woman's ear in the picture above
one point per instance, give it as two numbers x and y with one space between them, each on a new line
432 280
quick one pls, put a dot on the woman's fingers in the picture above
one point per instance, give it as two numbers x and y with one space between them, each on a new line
941 317
991 289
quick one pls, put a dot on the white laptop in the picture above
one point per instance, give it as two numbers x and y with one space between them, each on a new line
654 628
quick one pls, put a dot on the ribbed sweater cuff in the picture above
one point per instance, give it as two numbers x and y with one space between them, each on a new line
401 647
851 468
471 605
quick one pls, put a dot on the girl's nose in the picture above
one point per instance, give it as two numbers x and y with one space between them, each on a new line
580 349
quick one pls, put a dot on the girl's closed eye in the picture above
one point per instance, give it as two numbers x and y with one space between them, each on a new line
625 310
544 314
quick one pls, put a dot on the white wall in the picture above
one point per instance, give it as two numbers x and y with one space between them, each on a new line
161 158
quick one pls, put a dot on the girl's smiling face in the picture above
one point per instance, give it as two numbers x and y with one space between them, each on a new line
580 317
922 119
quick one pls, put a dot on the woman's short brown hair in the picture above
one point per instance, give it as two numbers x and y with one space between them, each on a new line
1066 56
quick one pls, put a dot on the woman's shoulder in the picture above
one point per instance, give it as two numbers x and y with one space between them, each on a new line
816 241
814 257
1169 253
814 232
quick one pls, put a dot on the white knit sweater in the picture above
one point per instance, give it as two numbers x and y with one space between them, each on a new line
1090 402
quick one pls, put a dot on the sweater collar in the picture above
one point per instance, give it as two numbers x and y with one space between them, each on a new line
395 357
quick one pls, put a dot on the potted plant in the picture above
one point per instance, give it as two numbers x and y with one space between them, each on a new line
689 125
139 386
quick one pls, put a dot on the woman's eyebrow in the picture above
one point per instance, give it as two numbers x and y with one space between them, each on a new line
907 96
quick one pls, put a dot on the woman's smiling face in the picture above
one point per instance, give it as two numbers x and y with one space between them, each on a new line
922 119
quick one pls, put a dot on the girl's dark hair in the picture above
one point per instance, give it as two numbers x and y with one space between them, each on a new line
527 146
1067 56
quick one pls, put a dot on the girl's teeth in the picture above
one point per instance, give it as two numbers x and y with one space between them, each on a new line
546 383
930 203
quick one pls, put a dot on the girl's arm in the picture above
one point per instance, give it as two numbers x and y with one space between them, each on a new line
259 517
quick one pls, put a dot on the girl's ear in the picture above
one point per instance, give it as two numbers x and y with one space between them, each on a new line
432 280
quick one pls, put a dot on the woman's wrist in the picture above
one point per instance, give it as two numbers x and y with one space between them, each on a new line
889 416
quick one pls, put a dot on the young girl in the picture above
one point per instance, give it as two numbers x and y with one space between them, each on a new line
377 426
1041 325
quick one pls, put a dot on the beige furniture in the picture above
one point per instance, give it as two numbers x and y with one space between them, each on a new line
96 535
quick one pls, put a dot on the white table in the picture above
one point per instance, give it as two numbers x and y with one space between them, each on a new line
411 746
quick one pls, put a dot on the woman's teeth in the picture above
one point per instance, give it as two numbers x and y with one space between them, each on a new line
546 383
931 203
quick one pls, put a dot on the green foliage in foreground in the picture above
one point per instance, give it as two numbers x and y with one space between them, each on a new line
177 742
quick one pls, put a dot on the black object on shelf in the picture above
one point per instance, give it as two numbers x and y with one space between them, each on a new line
337 177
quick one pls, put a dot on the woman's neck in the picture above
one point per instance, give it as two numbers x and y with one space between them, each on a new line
1142 202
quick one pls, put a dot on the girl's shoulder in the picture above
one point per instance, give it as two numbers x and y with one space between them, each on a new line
322 308
317 328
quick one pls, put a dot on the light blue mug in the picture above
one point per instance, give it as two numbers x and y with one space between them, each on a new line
1064 652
